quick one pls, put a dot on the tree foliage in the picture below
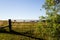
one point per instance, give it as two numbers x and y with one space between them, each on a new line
51 29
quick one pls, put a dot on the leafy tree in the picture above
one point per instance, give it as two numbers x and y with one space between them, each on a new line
52 24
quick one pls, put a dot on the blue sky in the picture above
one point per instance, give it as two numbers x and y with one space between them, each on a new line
21 9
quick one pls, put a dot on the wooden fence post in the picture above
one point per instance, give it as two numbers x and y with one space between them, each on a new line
10 26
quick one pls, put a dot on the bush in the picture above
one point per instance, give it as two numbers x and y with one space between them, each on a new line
49 30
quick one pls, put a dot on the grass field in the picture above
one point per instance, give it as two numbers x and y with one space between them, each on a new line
24 28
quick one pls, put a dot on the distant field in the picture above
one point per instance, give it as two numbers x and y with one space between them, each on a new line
14 24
